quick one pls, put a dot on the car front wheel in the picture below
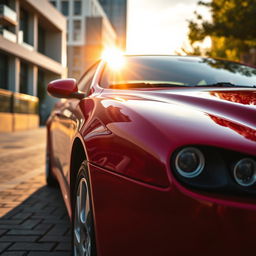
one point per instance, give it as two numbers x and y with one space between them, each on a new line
83 227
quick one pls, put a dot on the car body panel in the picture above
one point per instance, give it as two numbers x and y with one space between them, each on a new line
127 129
152 221
129 136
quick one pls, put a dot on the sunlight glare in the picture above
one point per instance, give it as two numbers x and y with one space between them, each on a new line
114 57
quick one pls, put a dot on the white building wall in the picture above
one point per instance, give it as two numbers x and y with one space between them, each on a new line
89 8
51 61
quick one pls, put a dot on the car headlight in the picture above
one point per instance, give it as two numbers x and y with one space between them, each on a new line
245 172
215 169
189 162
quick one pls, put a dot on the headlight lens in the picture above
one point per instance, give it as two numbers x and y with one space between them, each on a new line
189 162
245 172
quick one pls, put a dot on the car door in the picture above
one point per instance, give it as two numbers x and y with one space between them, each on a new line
66 125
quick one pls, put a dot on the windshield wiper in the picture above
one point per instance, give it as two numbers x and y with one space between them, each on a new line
143 85
226 84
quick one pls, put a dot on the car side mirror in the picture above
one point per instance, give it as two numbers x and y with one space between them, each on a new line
64 88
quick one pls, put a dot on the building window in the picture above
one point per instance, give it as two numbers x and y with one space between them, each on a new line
3 71
23 77
67 32
24 26
9 3
41 39
53 3
65 8
77 30
77 7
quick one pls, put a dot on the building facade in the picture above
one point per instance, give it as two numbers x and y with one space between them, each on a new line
89 31
116 11
32 52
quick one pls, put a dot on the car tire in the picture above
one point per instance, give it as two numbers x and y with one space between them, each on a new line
83 237
50 179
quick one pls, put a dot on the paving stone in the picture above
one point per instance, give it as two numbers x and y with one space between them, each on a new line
18 238
33 217
11 213
63 247
31 246
2 231
14 253
50 209
43 227
56 238
63 222
22 216
68 233
25 232
4 211
49 254
3 246
9 226
29 224
56 230
11 222
21 226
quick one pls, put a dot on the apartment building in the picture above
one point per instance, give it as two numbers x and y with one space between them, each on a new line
89 32
116 11
32 52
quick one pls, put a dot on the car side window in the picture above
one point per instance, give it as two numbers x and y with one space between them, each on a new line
85 81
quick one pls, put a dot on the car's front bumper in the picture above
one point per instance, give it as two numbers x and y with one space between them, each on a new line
132 218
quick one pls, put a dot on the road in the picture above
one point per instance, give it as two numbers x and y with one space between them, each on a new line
33 218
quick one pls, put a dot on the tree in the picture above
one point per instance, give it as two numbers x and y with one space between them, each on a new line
232 27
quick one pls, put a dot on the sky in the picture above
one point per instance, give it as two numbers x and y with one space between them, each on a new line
159 26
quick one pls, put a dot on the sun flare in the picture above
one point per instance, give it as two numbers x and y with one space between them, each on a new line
114 57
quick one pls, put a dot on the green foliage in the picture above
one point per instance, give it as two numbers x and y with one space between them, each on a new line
232 28
196 51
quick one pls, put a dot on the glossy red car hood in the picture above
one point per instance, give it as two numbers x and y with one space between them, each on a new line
224 117
236 105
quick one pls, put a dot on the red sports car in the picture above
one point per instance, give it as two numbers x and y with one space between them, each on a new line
156 155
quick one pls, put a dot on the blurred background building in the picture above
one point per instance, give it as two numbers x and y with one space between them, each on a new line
89 31
39 39
116 11
32 52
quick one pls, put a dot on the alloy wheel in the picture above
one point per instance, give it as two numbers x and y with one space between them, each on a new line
82 221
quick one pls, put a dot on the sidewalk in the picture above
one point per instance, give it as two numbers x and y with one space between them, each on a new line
33 218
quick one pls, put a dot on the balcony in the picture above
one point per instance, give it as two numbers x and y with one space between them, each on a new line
7 15
8 35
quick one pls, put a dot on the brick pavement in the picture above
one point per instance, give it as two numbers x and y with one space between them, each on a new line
33 218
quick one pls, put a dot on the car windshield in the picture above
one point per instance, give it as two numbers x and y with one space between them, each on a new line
176 71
